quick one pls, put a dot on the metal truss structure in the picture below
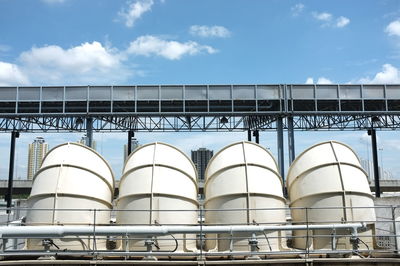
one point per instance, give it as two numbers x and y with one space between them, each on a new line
199 108
198 123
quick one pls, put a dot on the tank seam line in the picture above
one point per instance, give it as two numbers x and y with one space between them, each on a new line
131 170
320 166
242 164
152 183
341 182
247 184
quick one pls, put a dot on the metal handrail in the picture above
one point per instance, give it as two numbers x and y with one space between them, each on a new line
385 226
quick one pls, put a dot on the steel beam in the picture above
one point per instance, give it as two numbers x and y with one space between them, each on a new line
131 134
199 123
256 134
281 159
89 132
291 139
372 133
14 135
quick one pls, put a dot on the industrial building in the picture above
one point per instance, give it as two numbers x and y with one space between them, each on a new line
321 212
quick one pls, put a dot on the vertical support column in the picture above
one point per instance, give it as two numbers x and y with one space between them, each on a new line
291 139
256 134
396 241
281 160
89 131
249 134
14 135
372 133
131 134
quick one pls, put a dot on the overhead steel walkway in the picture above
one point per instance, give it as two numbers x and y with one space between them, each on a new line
198 107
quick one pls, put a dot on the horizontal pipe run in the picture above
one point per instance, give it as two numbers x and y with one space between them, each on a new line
176 254
56 231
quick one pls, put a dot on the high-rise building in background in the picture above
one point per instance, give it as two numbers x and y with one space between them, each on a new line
134 145
83 141
200 158
36 153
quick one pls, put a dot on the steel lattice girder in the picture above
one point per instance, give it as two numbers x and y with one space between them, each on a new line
195 123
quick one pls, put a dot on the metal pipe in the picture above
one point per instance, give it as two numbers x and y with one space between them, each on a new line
57 231
14 135
175 254
14 241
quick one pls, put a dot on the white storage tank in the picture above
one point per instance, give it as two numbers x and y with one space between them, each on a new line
244 176
72 181
328 177
158 187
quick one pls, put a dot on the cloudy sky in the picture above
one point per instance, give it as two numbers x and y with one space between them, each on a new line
83 42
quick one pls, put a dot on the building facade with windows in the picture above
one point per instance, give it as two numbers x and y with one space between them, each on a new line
36 152
84 140
134 145
200 158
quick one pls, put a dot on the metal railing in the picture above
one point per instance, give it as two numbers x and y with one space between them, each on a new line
238 239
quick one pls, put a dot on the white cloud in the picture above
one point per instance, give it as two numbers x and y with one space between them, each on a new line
389 74
323 80
11 75
297 9
209 31
324 16
393 29
309 81
342 22
151 45
330 21
83 58
320 80
89 63
134 11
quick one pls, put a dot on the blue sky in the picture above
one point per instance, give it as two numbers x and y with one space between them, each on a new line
65 42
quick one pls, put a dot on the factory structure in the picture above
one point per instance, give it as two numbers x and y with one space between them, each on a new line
252 212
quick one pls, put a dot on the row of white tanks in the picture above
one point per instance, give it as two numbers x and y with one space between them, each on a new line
159 187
